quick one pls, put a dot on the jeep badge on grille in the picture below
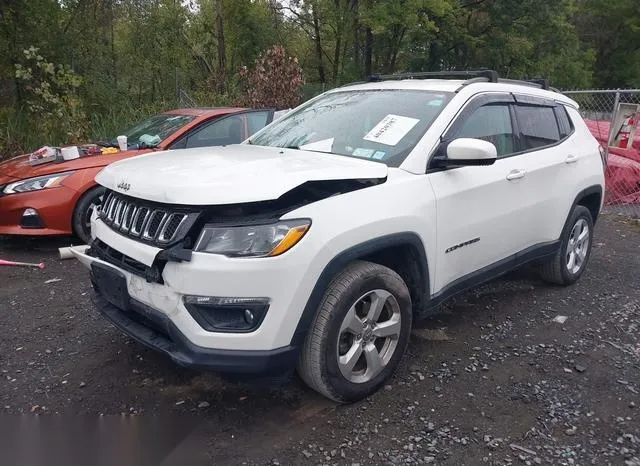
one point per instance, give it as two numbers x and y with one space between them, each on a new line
124 185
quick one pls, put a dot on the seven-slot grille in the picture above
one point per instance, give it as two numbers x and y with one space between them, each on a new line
150 223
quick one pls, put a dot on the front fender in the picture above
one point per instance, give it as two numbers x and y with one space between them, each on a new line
340 261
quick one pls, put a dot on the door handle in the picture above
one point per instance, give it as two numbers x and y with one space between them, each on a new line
571 159
516 174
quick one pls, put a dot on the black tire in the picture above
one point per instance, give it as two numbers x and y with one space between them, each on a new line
82 213
318 363
556 270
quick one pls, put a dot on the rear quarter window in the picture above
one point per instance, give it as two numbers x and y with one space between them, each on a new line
538 126
564 121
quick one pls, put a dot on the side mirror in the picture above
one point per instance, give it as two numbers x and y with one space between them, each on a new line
468 151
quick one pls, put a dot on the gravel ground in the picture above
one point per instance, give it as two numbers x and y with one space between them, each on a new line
493 379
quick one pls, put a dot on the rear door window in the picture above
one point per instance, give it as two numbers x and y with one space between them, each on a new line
538 126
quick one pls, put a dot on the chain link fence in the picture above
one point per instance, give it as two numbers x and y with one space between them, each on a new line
598 108
184 99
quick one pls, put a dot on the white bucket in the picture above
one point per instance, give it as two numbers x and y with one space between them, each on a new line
70 153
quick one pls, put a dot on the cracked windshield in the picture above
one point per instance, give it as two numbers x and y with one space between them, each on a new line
382 126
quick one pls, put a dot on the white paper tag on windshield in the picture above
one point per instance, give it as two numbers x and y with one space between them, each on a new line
391 130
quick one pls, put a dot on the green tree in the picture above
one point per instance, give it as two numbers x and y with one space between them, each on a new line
612 28
26 23
134 55
51 95
524 38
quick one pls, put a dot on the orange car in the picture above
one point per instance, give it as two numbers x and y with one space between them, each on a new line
58 198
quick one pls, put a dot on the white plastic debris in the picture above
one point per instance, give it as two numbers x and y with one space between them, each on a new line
65 253
522 449
53 280
560 319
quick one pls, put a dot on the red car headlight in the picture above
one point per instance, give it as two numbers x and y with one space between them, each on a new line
36 184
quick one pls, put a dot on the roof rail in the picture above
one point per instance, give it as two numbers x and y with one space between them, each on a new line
485 75
469 77
541 83
352 84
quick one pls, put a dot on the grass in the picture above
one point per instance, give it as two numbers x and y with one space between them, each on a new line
21 134
108 124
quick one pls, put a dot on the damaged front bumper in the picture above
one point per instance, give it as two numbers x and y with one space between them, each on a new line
156 331
169 315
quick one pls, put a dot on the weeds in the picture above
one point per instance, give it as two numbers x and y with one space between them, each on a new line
20 133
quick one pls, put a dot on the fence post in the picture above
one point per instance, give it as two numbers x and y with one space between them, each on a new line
616 101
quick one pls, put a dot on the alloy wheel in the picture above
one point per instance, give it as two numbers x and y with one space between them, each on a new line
578 246
368 336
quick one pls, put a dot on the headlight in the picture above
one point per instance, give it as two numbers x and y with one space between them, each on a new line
35 184
252 240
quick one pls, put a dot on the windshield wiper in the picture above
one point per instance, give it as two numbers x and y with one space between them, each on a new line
292 147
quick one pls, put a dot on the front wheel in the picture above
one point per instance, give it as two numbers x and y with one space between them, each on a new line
359 334
88 203
566 267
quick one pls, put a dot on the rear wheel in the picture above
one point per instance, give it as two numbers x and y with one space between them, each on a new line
566 267
359 334
87 205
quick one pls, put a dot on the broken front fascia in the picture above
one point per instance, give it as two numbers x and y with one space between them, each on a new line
243 214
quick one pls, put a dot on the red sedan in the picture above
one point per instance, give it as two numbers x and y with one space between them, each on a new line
58 197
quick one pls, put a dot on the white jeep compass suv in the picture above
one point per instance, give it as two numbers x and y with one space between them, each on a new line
318 243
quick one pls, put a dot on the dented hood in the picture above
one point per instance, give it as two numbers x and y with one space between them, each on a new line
229 175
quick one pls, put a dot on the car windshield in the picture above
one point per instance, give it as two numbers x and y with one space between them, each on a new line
153 130
379 125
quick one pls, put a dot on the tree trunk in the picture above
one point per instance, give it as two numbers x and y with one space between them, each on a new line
316 32
13 50
114 69
394 43
356 35
222 57
368 51
396 49
435 57
336 55
339 33
344 58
